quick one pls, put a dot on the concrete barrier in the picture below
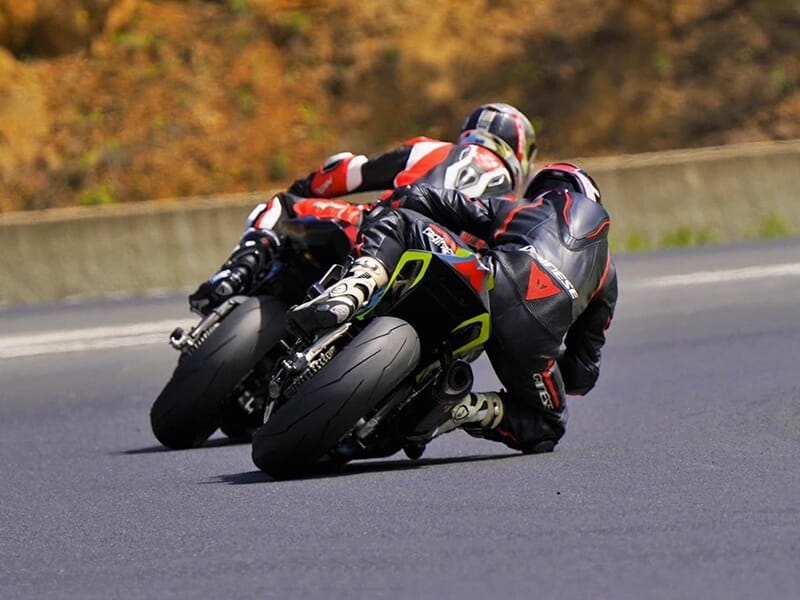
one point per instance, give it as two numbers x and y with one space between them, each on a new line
721 194
725 193
126 249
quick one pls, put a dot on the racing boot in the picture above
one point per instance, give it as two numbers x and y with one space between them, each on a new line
475 414
342 300
240 273
524 427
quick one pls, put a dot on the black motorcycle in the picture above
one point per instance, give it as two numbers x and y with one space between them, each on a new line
227 359
383 382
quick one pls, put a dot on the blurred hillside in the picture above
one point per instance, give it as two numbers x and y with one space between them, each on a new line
124 100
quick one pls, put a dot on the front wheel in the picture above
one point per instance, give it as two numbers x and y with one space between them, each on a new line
190 407
328 406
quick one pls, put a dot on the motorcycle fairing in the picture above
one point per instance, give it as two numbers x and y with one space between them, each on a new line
454 306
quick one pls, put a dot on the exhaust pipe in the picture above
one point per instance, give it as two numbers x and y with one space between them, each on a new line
449 388
454 383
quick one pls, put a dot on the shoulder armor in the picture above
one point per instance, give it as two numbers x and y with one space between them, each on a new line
582 221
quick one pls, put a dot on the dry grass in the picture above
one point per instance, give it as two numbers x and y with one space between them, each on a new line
124 100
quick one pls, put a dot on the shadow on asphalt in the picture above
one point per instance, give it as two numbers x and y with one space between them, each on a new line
358 468
212 443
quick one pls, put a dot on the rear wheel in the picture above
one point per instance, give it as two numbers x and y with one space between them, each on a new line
328 406
190 407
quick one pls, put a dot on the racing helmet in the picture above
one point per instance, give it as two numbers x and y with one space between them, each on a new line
507 132
562 176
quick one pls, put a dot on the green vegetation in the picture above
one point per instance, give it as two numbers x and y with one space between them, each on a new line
685 236
238 6
773 226
246 100
89 159
782 83
135 41
289 26
636 242
278 167
96 196
663 63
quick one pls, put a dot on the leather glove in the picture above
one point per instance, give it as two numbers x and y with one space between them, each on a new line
213 292
301 187
246 267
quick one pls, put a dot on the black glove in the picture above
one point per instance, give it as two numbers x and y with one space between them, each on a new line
246 267
301 187
216 290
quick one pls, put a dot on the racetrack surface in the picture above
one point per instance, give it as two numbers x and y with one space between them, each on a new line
679 475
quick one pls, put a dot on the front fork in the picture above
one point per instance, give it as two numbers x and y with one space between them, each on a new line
186 342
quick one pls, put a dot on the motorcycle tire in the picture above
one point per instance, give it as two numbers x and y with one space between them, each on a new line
326 407
189 408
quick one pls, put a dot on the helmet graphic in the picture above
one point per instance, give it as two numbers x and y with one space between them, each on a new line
507 132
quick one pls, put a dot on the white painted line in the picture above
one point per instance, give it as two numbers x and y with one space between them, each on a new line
720 276
95 338
81 346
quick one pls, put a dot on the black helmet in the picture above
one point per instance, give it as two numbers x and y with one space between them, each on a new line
505 131
560 176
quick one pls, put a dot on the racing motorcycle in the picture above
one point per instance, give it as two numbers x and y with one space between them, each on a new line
386 380
383 382
227 357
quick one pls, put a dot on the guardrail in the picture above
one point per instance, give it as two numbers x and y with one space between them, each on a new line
724 194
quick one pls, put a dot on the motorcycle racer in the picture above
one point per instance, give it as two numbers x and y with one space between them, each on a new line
554 295
496 149
494 156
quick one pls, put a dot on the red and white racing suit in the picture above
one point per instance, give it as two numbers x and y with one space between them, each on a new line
469 168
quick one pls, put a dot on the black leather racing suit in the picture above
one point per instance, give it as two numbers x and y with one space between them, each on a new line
554 295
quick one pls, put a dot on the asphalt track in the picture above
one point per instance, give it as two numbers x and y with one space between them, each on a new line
679 476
